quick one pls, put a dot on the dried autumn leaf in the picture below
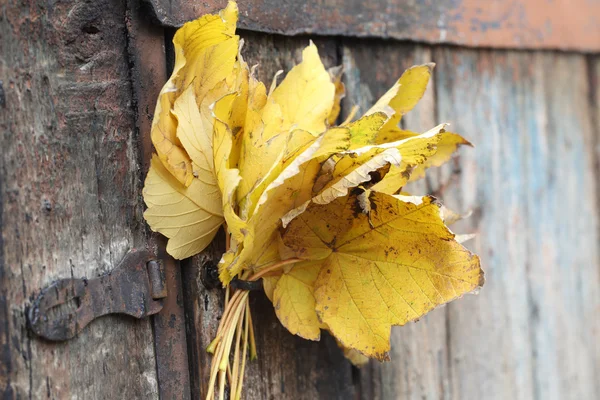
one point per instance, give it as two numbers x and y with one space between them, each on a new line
206 47
446 147
199 145
354 167
306 95
174 211
299 105
401 98
382 268
228 176
398 101
294 301
182 134
386 166
290 189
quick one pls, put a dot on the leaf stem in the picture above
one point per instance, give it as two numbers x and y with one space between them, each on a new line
273 267
236 324
238 392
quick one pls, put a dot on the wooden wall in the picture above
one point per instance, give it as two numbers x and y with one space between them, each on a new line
70 194
71 169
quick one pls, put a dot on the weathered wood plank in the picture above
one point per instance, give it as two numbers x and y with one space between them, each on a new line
288 367
148 74
594 82
69 194
533 330
517 339
419 355
563 24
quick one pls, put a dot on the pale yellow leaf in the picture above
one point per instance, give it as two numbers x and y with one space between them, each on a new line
446 147
291 188
207 48
402 98
306 95
174 211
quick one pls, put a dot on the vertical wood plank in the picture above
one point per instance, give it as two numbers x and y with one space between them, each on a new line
68 194
533 330
490 335
419 355
288 367
148 64
594 95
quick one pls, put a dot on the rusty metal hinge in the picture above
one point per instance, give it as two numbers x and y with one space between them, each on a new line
136 287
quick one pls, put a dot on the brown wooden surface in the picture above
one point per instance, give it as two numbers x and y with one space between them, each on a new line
533 185
146 46
76 74
533 24
70 186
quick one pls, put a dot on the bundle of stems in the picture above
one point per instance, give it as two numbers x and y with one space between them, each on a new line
235 327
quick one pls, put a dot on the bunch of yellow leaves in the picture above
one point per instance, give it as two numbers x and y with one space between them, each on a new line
312 209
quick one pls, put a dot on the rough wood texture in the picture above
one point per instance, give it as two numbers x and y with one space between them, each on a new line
594 82
149 73
69 188
532 184
288 367
70 205
564 24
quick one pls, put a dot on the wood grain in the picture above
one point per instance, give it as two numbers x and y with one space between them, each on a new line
69 195
532 184
146 46
533 330
71 173
537 24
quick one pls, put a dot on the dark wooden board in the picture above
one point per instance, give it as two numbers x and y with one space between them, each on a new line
147 57
70 189
538 24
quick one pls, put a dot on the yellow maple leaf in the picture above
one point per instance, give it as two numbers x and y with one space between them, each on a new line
299 105
207 67
228 176
400 99
396 102
294 301
384 267
386 166
290 189
445 148
204 48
